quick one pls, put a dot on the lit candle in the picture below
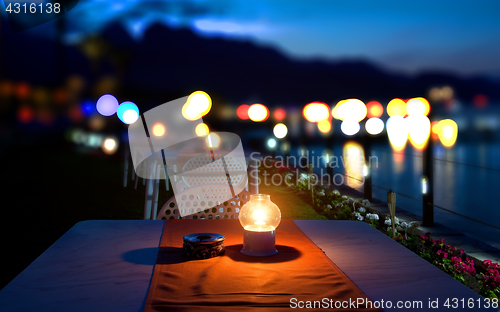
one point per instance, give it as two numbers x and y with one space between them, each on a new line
259 217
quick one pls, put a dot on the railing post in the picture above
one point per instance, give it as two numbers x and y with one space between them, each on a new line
428 185
148 200
329 141
330 173
310 171
367 171
125 165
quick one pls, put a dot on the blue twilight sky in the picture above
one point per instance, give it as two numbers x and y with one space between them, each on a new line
409 36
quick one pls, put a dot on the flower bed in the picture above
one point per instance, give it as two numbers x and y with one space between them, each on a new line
482 277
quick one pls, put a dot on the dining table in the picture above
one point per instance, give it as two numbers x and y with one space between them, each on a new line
108 265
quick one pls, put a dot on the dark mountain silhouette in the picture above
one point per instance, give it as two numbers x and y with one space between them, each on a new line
166 63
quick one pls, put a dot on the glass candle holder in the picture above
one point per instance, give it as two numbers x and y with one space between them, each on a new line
259 218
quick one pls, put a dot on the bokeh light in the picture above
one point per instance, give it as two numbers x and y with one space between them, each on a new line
25 114
447 131
22 90
397 132
75 113
447 92
374 126
95 140
6 88
279 114
258 112
335 110
201 130
242 112
441 94
107 105
46 116
349 127
226 112
41 96
60 96
354 156
418 106
316 111
197 105
75 83
419 129
326 155
324 126
128 112
159 129
285 147
280 130
88 107
396 107
424 186
480 101
434 132
109 146
271 143
106 84
97 122
213 140
351 109
435 94
374 109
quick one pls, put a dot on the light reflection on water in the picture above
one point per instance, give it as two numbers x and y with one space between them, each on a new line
354 155
466 181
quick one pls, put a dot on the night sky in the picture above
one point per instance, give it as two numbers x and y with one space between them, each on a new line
455 36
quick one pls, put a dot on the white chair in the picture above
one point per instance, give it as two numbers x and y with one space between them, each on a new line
204 202
200 182
202 170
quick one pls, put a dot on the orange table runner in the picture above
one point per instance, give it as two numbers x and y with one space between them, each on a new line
298 274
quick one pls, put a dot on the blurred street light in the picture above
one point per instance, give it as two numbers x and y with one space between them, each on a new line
280 131
258 112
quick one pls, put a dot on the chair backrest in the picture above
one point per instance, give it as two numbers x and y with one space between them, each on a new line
204 202
202 170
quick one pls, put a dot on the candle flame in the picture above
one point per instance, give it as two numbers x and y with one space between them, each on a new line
259 216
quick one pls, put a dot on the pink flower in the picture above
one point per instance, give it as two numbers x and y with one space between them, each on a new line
466 266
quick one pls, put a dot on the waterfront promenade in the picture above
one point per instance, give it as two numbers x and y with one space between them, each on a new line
473 247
